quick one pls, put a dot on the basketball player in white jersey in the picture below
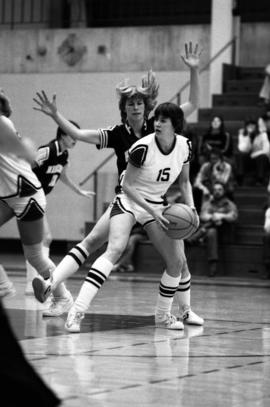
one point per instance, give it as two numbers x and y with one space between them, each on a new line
135 104
22 196
154 164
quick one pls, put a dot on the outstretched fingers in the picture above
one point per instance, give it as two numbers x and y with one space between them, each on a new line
45 97
38 103
192 50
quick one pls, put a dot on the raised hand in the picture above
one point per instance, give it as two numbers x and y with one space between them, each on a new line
192 55
45 105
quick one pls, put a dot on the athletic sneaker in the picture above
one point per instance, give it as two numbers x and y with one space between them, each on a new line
189 317
168 321
74 318
59 305
7 289
42 288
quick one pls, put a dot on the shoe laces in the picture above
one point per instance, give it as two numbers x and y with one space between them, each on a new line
53 303
170 319
186 312
75 317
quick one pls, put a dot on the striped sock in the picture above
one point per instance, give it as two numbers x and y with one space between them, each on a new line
70 264
167 288
96 277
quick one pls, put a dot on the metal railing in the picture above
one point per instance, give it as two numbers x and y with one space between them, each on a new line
177 97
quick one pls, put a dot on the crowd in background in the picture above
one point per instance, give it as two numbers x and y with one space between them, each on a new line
222 162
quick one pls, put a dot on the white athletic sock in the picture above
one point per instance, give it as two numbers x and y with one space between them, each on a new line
96 276
167 288
46 251
70 264
182 294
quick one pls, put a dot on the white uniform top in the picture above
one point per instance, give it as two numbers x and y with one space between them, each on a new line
16 177
159 170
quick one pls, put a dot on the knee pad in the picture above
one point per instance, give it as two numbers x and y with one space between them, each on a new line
37 258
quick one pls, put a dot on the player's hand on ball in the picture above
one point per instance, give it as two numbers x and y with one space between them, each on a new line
45 105
197 218
161 220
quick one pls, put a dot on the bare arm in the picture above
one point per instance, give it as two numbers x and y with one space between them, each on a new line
206 212
12 143
185 186
192 59
50 109
198 183
186 189
71 184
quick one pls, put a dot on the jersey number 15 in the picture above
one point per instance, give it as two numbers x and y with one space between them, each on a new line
164 174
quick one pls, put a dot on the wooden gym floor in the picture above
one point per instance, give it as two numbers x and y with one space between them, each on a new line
121 360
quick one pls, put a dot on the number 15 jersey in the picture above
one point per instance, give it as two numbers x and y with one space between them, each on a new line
159 170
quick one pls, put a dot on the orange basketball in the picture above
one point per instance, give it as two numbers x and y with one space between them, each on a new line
182 219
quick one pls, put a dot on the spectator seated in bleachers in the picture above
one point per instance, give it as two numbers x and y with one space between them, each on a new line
265 89
218 217
266 241
216 169
253 153
216 137
266 123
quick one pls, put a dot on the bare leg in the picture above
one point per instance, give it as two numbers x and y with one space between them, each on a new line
78 254
31 272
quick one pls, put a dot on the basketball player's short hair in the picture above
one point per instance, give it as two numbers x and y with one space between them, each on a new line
60 132
5 102
173 112
147 91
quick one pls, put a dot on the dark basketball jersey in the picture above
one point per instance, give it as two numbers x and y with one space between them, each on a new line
121 138
49 164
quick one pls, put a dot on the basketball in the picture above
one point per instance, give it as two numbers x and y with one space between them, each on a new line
182 219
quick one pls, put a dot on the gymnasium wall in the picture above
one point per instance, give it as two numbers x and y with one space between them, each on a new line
255 44
119 49
98 49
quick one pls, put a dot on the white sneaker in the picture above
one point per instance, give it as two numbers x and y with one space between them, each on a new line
189 317
58 306
7 289
42 288
168 321
73 322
